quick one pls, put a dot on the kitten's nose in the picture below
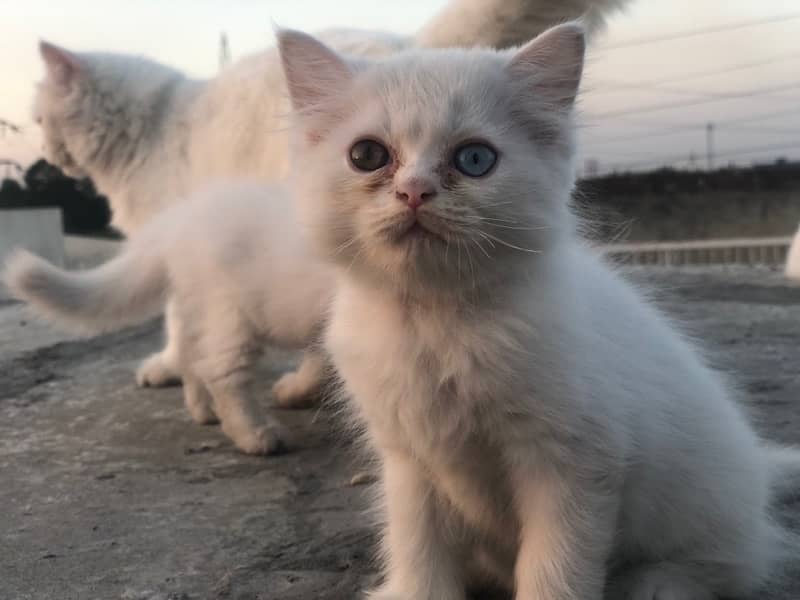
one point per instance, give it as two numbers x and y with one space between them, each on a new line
415 192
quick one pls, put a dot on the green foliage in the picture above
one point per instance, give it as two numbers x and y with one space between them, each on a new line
84 211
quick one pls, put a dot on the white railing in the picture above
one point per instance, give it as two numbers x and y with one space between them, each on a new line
744 251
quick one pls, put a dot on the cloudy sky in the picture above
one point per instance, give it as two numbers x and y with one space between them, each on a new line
645 103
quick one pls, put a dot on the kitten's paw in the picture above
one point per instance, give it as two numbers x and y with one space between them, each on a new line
658 584
266 440
155 371
293 390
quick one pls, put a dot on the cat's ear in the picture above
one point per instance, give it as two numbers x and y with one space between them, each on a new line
62 65
313 71
550 66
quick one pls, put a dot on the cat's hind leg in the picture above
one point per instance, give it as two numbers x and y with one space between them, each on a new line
302 387
242 419
706 579
225 351
657 581
162 368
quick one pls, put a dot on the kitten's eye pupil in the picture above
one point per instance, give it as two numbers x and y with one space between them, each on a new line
475 159
368 155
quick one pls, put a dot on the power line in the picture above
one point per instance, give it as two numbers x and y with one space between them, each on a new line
669 161
702 31
724 125
696 74
749 119
6 125
671 90
685 103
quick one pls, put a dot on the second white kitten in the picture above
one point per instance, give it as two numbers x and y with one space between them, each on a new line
237 277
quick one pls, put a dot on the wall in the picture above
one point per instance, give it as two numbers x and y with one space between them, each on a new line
667 205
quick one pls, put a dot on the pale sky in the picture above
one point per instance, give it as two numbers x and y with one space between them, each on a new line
620 129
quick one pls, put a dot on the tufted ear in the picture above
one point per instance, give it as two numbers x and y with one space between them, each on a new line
549 67
63 66
313 71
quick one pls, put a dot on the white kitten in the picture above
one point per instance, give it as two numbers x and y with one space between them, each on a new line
148 136
539 424
237 275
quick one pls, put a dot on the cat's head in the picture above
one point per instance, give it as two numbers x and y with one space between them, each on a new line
434 167
94 109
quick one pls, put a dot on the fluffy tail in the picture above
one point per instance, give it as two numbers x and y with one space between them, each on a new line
784 465
128 289
506 23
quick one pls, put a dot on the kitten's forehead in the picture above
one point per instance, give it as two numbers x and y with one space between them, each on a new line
431 94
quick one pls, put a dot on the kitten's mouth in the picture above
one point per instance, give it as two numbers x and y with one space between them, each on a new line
414 229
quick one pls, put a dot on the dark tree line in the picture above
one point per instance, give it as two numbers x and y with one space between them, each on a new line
84 211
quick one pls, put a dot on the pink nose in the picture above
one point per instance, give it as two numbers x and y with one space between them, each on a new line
415 192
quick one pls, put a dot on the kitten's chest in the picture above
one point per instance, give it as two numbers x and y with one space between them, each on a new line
432 396
416 388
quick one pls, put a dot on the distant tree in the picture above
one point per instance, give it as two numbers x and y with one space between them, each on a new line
83 209
12 194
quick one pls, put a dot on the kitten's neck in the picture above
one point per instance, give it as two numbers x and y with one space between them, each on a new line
410 298
121 150
121 162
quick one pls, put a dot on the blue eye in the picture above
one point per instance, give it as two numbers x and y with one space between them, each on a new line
474 159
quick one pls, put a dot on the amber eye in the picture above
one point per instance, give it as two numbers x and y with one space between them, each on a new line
475 159
368 155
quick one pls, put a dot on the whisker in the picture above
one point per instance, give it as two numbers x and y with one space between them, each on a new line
482 249
509 245
342 247
486 237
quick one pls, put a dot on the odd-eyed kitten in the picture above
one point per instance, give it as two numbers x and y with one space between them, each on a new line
538 423
148 136
236 281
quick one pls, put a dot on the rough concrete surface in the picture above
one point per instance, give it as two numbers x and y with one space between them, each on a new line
110 492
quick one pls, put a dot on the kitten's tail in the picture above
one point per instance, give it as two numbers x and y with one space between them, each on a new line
784 466
128 289
506 23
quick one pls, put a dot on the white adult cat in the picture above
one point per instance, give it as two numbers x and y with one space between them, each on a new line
538 423
235 282
147 135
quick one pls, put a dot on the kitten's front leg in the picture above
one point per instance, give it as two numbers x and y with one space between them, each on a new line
566 538
161 369
421 562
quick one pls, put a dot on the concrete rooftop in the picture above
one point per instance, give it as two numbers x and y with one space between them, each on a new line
110 492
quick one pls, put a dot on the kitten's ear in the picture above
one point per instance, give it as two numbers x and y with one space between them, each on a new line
62 65
550 65
313 71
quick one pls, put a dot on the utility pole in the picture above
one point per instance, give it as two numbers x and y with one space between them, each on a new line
224 51
710 146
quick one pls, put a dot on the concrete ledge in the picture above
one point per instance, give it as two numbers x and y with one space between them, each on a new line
36 229
85 252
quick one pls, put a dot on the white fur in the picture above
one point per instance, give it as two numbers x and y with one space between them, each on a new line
149 137
506 24
237 276
538 422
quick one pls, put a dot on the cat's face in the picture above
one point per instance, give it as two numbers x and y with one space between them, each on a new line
435 167
95 109
57 107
